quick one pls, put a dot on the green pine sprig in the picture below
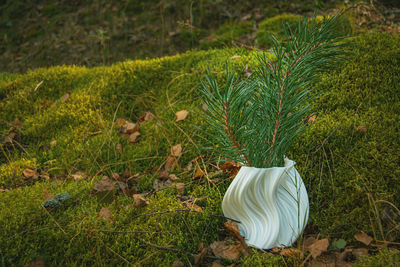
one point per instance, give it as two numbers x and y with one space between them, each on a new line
255 120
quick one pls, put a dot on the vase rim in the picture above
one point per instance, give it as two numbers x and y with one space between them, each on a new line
288 163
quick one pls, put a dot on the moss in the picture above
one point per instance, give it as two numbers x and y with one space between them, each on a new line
228 34
11 173
385 257
339 164
274 26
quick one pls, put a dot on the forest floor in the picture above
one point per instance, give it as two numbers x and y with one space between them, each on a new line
101 130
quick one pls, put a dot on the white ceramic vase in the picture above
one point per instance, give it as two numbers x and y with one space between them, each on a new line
271 205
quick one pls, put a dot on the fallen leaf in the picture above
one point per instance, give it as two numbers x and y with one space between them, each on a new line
44 175
163 174
36 263
192 206
78 176
230 167
178 263
139 201
148 116
359 252
217 264
172 177
362 129
160 184
46 103
170 163
115 176
105 214
105 184
29 173
10 137
292 253
176 150
233 229
235 57
229 252
180 187
46 194
343 255
133 137
53 143
308 242
311 119
17 123
198 173
181 115
118 147
120 121
318 247
65 97
363 238
198 258
129 128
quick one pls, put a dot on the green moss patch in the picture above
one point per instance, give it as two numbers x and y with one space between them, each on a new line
69 119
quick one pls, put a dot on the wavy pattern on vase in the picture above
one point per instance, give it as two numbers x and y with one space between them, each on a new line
270 203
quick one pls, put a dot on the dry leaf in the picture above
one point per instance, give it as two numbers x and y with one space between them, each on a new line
105 184
308 242
292 253
120 122
318 247
181 115
17 123
53 143
29 173
105 214
78 176
118 147
198 173
176 150
163 174
217 264
46 103
159 184
230 167
170 163
36 263
198 258
148 116
46 194
180 187
65 97
133 137
129 128
139 201
172 177
312 119
178 263
362 129
192 206
10 137
363 238
233 229
235 57
229 252
359 252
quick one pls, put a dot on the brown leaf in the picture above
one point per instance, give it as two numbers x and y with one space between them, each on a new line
36 263
176 150
118 147
161 184
199 173
180 187
362 129
192 206
230 167
229 252
65 97
363 238
10 137
181 115
198 258
172 177
129 128
105 214
148 116
46 103
235 57
178 263
312 119
139 201
17 123
163 174
53 143
115 176
359 252
318 247
120 122
133 137
217 264
170 163
29 173
105 184
78 176
308 242
233 229
46 194
292 253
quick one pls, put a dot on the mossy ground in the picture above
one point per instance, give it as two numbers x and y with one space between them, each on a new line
346 170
